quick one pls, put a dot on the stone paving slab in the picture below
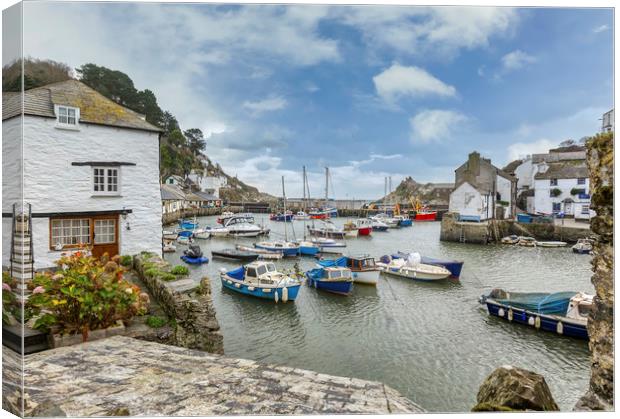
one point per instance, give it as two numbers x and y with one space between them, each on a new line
122 375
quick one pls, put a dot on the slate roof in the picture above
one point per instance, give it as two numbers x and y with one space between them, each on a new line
565 170
94 107
171 193
512 166
207 196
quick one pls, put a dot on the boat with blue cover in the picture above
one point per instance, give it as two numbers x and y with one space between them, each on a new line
194 256
454 266
261 279
336 279
188 224
307 248
564 313
363 268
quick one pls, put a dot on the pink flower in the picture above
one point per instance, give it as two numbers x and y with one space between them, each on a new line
6 287
38 290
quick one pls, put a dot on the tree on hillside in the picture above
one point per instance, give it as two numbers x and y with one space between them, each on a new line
195 140
169 123
37 73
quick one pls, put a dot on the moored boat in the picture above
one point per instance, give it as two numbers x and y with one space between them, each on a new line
262 253
235 254
184 240
526 241
217 231
328 245
194 256
335 279
169 247
186 224
454 266
327 230
307 248
512 239
284 247
583 246
242 226
363 268
202 233
261 279
225 216
412 268
425 215
364 226
378 225
551 244
350 229
301 216
287 216
564 313
169 235
403 221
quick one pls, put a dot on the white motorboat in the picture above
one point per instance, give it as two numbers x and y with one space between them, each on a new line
351 230
378 225
282 246
217 231
262 253
170 235
328 230
202 233
583 246
328 245
391 222
301 215
412 268
551 244
242 226
225 216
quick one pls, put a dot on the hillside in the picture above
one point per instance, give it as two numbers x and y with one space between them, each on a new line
428 193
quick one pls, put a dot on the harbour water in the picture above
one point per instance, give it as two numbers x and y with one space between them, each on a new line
431 341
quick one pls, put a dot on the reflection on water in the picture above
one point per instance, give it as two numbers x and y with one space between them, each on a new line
430 341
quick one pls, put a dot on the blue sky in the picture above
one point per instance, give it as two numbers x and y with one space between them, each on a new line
369 91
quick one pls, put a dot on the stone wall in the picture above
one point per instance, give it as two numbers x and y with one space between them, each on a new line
600 325
173 217
191 306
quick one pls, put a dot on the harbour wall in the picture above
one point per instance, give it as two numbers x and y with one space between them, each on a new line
493 230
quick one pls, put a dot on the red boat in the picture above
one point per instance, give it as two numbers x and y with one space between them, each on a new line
364 226
426 215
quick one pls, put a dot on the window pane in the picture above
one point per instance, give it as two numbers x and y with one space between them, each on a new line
104 231
70 232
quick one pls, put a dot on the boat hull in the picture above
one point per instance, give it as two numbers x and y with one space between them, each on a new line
406 223
366 277
309 250
416 276
547 323
244 233
454 266
234 254
582 251
194 261
288 217
286 251
426 216
364 231
335 287
263 293
328 234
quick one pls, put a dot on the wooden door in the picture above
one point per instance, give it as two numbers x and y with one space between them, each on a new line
105 235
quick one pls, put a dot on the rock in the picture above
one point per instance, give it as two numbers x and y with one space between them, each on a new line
48 410
119 411
511 388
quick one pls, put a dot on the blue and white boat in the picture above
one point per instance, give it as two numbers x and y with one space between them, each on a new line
363 268
336 279
564 313
454 266
287 216
188 224
194 256
403 221
378 225
284 247
307 248
261 279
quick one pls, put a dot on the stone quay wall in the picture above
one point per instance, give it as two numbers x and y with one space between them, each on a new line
173 217
600 157
191 306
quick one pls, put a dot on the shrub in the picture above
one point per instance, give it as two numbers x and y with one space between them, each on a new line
577 191
151 272
167 276
155 321
180 270
503 203
126 260
555 192
84 294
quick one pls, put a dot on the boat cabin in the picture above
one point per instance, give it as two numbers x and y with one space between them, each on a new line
361 263
239 219
337 273
260 273
579 307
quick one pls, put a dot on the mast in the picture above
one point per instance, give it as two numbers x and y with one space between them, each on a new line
284 204
326 186
304 188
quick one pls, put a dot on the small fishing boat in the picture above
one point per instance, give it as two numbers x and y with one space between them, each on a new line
413 268
170 235
301 216
261 279
327 230
169 247
526 241
564 313
184 240
454 266
512 239
202 233
235 254
323 213
328 245
378 225
551 244
194 255
186 224
287 216
425 215
363 268
583 246
284 247
403 221
216 231
391 222
262 253
350 229
307 248
364 226
225 216
337 280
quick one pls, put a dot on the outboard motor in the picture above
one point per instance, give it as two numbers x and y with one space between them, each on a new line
194 251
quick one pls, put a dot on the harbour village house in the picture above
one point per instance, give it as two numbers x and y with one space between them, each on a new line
482 191
90 173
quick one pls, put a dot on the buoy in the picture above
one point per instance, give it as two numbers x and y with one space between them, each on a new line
510 314
284 295
530 321
500 312
251 288
229 281
560 328
537 322
237 285
275 297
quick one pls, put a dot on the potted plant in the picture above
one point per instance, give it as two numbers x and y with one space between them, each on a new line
555 192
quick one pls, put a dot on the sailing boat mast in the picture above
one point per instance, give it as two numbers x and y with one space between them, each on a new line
284 204
304 188
326 186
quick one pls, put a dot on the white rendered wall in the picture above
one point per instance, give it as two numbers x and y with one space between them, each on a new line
544 203
466 200
52 184
524 174
11 178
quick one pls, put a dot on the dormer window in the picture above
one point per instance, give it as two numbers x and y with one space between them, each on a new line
67 116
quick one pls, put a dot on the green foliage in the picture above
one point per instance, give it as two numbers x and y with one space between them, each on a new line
151 272
577 191
126 260
156 321
36 73
503 203
555 192
84 294
180 270
167 276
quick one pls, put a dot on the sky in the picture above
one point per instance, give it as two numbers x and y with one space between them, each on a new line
369 91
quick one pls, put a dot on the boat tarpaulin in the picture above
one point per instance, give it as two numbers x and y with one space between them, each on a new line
315 274
329 263
543 303
238 273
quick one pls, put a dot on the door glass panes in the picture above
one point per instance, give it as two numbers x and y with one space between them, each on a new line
105 231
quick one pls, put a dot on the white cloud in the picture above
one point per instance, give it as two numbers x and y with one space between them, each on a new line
517 59
399 81
520 150
600 29
435 125
266 105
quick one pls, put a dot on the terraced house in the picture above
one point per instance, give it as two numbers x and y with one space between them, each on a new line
90 173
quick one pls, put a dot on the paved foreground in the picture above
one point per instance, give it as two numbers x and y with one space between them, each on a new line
126 376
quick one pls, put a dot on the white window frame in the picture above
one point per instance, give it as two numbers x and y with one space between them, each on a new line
58 109
106 183
585 210
58 227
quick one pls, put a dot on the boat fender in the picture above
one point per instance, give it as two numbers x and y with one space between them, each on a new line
510 314
229 281
237 285
537 322
266 290
251 288
316 283
530 321
500 312
284 295
560 328
275 297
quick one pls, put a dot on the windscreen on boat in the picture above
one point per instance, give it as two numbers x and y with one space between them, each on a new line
556 303
329 263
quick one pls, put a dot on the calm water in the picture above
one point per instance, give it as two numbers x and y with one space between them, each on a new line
432 342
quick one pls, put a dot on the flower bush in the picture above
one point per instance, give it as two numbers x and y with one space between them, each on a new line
9 300
85 294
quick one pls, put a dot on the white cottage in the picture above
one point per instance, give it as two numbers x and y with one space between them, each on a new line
90 172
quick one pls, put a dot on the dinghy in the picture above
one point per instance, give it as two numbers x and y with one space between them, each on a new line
170 235
583 246
564 313
551 244
169 248
235 254
194 255
202 233
337 280
454 266
512 239
262 280
526 241
413 268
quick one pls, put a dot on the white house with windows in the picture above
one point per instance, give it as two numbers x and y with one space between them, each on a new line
208 184
90 172
563 187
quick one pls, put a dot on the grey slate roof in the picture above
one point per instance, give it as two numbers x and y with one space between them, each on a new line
171 193
207 196
94 107
565 170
